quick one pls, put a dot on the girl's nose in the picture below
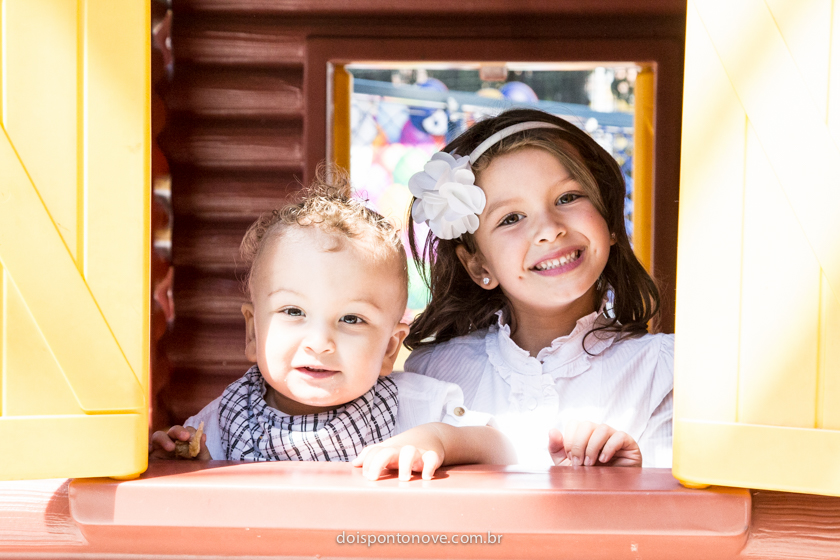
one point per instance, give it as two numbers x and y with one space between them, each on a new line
548 227
319 340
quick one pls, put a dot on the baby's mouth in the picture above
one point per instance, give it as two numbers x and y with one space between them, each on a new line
316 372
548 264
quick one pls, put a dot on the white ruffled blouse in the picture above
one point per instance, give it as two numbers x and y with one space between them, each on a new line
624 383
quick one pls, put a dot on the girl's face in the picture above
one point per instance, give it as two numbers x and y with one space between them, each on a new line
540 237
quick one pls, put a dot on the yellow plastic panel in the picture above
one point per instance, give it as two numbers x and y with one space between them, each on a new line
34 382
781 279
781 209
117 163
805 26
82 445
711 191
795 459
74 335
58 298
828 406
39 45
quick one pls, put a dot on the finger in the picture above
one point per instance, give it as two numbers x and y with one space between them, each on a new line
408 454
555 441
179 433
597 440
360 458
203 452
431 461
617 441
161 440
383 459
576 442
555 447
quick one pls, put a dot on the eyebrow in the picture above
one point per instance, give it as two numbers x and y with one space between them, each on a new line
362 301
278 290
499 203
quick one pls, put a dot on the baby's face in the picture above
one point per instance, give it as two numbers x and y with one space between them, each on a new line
324 320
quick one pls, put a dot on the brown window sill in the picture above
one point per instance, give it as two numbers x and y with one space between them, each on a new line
299 509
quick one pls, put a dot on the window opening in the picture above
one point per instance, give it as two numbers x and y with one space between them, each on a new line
400 114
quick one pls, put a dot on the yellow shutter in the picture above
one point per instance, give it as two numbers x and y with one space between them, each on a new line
757 383
74 231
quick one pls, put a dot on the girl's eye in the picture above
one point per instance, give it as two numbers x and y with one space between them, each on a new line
351 319
567 198
293 312
511 219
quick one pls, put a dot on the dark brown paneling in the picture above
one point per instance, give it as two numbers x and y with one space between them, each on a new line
243 45
230 196
238 93
209 246
793 526
212 348
211 298
443 7
244 145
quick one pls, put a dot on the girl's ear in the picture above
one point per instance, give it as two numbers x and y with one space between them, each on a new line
393 349
250 332
476 268
612 239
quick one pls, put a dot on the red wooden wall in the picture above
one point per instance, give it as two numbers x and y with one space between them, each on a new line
246 121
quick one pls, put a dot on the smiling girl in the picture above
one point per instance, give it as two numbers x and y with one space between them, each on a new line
539 308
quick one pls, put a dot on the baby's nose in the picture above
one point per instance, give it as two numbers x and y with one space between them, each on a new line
319 341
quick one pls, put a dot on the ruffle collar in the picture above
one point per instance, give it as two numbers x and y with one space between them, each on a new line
532 380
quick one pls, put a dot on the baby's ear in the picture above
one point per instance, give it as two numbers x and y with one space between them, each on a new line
250 332
393 350
476 268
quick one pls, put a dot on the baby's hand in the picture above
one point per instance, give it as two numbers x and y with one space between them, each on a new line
417 450
163 443
586 443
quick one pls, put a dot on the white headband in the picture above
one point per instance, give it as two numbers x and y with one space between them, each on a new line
504 133
448 199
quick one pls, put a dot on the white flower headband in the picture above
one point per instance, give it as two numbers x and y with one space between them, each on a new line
448 199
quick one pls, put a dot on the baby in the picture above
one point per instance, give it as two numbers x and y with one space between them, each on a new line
327 285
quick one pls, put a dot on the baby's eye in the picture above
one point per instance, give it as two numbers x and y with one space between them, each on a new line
352 319
293 312
568 197
511 219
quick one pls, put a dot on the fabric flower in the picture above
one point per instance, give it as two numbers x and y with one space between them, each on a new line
447 197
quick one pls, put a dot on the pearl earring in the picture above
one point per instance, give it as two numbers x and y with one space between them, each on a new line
486 281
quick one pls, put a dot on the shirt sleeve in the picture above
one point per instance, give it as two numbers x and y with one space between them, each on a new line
418 360
423 400
210 416
656 442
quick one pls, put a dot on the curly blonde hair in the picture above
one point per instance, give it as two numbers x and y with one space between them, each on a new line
330 205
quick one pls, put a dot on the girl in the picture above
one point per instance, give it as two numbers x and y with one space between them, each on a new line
539 308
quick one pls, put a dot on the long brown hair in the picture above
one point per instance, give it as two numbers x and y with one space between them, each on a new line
458 306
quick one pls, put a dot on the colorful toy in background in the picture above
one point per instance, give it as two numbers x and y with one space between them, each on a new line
393 139
518 92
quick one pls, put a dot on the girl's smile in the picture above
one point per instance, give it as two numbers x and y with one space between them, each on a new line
559 262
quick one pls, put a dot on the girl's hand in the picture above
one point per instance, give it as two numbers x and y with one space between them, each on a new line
418 450
163 443
587 444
